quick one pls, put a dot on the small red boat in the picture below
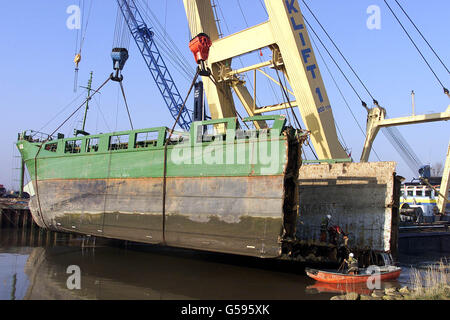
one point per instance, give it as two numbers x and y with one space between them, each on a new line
385 273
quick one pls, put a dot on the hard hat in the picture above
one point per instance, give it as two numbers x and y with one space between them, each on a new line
328 216
351 255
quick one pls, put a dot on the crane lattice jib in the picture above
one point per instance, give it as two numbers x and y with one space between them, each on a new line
154 60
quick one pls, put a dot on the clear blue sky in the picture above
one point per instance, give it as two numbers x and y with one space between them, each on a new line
37 69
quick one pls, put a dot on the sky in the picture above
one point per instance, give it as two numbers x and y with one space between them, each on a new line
37 67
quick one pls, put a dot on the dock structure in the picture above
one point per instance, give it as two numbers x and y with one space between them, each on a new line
16 217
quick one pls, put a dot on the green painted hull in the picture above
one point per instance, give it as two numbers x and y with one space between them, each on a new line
223 192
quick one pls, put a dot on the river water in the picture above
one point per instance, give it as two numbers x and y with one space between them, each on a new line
118 271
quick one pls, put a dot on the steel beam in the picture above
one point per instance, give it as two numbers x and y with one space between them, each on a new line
445 185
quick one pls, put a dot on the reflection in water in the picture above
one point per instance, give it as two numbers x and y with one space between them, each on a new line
145 272
13 281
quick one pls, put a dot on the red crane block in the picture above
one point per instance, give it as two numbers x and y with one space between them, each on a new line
200 47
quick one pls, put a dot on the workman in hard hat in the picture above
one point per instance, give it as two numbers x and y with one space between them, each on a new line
352 264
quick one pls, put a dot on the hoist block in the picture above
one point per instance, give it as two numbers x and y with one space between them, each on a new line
200 47
119 57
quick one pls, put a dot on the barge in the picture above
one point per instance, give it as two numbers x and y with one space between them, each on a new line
217 188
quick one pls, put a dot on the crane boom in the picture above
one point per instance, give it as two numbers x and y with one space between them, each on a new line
143 37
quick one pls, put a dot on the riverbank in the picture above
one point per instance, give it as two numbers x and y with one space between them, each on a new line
431 282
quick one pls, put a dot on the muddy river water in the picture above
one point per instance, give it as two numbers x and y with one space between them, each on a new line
108 270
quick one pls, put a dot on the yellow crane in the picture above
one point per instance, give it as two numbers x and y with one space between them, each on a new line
285 34
376 119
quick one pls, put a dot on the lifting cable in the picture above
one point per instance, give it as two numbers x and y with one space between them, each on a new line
342 96
335 62
375 102
126 104
165 42
121 33
49 137
417 48
60 112
423 37
402 147
81 36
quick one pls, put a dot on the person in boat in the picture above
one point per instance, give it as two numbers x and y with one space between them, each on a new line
324 228
352 264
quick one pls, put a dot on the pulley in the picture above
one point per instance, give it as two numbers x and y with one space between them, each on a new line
119 57
200 48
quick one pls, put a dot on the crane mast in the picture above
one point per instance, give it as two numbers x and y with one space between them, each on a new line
144 39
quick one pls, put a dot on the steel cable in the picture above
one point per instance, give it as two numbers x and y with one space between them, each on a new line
423 37
417 48
340 52
335 62
46 140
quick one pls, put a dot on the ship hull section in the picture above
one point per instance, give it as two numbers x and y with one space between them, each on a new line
239 215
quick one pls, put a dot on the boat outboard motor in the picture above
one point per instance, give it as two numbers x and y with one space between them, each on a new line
119 57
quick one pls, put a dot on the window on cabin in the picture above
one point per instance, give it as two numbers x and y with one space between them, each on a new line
419 193
178 138
73 146
146 139
118 142
92 145
427 193
208 133
52 147
410 193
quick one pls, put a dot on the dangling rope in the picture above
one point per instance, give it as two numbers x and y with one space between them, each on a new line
417 48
